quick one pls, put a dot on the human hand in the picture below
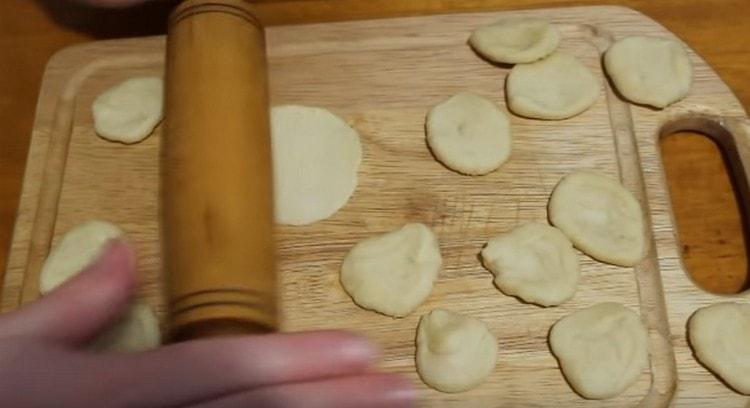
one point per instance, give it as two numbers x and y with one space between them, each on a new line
44 361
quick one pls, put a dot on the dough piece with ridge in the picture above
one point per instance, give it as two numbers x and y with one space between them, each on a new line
455 353
393 273
514 41
535 262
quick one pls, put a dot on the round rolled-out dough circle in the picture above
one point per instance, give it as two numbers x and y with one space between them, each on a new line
137 330
513 41
600 216
554 88
78 249
455 353
129 111
720 337
393 273
535 262
316 156
602 349
469 134
649 70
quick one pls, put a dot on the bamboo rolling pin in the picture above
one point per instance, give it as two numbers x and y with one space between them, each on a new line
216 191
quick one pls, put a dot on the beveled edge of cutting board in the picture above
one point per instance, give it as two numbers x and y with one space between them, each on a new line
55 157
47 153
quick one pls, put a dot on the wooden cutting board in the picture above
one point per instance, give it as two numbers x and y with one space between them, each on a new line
383 76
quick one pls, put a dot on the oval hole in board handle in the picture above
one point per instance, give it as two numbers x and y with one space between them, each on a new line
706 162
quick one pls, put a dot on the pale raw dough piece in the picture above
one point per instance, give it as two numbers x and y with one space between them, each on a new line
316 156
393 273
78 249
557 87
455 353
137 330
129 111
649 70
514 41
720 337
469 134
535 262
602 349
600 216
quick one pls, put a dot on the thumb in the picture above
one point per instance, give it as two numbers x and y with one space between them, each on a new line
83 306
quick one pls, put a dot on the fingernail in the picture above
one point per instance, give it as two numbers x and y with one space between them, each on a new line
119 251
360 349
402 393
116 257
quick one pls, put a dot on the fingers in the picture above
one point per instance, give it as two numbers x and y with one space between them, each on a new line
80 308
361 391
40 374
194 371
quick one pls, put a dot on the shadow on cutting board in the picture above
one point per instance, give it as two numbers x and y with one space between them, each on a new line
147 19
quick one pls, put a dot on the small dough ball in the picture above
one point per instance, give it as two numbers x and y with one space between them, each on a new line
129 111
469 134
720 337
535 262
78 249
600 216
649 70
602 349
316 156
514 41
557 87
393 273
137 330
455 353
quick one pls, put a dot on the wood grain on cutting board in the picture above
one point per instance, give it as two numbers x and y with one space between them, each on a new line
383 76
29 36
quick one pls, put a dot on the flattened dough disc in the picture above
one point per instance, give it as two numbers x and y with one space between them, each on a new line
649 70
129 111
600 216
316 156
137 330
720 336
557 87
602 349
77 250
469 134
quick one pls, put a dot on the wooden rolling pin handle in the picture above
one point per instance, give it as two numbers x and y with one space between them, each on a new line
216 190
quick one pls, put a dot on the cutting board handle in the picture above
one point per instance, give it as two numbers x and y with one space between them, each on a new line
732 133
739 137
